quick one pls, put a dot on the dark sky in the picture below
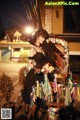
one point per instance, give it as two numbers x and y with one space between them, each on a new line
18 12
13 13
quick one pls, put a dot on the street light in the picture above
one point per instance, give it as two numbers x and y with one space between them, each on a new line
29 30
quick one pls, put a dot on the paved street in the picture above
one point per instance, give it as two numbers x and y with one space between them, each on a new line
11 69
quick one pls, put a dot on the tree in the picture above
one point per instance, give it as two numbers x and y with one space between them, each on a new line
6 85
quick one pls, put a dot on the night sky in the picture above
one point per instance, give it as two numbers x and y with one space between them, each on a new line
13 12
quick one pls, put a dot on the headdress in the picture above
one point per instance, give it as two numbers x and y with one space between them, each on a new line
40 32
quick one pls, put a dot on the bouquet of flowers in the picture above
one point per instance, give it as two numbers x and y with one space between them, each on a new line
47 68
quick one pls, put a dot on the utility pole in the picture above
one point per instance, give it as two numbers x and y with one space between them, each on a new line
39 21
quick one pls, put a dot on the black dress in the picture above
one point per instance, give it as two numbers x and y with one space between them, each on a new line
32 77
41 59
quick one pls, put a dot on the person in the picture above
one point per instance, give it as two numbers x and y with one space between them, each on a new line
37 60
42 60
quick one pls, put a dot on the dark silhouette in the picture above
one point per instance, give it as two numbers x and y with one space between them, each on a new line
2 31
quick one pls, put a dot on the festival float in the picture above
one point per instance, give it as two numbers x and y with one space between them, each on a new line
54 93
60 92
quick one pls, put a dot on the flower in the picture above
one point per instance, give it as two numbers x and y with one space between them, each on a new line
47 68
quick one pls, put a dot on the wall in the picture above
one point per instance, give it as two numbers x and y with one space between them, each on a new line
57 20
74 48
54 19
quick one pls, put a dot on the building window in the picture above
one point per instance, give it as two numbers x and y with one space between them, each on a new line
16 49
71 19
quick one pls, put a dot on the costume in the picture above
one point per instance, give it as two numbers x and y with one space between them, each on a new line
29 82
50 57
53 54
32 77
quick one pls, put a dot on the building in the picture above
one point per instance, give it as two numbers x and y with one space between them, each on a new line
14 51
64 22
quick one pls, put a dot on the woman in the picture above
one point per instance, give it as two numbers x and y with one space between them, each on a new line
37 60
43 59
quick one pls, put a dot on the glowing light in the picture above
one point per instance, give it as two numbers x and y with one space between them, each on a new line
29 30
